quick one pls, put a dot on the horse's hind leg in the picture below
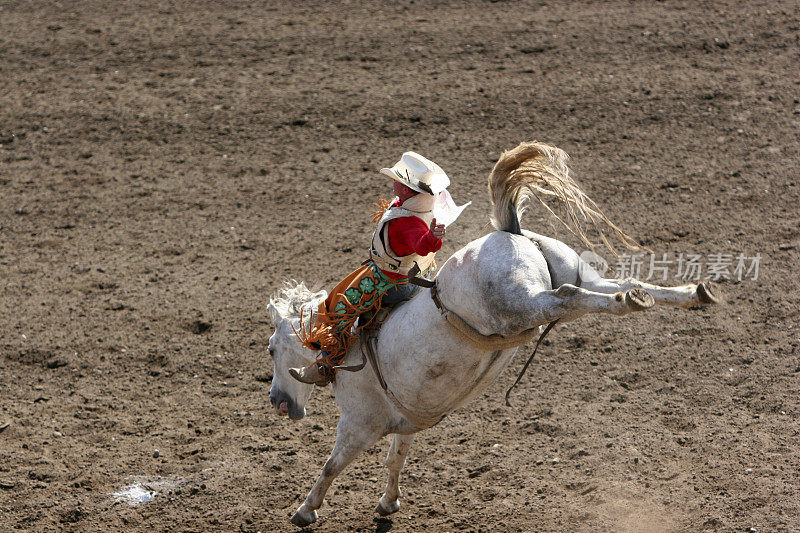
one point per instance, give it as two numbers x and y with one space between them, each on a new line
566 266
681 296
569 302
350 441
395 460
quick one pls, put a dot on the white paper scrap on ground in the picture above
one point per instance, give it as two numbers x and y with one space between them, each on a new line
144 489
135 494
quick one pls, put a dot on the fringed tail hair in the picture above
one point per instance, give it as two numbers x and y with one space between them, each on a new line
537 170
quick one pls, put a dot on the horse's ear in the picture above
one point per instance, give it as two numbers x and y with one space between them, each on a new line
274 314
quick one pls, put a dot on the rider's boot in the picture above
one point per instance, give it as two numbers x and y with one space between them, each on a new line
318 373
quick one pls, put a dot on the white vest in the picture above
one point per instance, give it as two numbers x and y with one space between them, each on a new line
381 251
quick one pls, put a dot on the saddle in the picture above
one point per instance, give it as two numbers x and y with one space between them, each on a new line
370 322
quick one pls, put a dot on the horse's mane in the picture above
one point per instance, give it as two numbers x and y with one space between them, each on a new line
295 298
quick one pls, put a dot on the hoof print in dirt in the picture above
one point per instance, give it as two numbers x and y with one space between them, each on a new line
71 516
197 326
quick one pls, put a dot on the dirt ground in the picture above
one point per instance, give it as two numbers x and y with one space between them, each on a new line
165 165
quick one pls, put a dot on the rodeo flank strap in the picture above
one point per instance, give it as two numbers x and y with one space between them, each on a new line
491 342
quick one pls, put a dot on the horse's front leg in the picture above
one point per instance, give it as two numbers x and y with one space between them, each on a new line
395 460
351 439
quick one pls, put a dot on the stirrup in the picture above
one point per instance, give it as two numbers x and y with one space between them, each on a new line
315 374
372 319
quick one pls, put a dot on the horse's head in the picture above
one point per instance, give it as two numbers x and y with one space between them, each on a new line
287 395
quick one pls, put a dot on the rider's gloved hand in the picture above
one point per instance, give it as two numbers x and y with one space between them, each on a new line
438 230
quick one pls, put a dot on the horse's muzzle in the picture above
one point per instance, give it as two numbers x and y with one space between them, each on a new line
284 405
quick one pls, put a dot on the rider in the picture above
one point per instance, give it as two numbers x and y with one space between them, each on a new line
407 234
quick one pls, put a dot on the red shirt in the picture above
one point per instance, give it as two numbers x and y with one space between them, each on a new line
409 235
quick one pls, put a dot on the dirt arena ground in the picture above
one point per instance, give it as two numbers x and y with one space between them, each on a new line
165 165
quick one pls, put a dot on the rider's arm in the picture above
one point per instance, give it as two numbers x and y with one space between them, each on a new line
410 235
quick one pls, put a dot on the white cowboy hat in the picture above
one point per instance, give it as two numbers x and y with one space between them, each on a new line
422 175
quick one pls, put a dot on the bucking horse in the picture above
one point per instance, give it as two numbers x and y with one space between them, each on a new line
442 348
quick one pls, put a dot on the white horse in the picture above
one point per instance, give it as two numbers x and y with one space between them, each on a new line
501 284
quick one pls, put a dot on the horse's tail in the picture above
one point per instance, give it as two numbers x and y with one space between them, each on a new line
537 170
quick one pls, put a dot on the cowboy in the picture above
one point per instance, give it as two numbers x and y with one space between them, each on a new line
407 236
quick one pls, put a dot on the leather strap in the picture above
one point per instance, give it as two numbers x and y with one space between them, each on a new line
484 342
418 281
491 342
528 362
368 341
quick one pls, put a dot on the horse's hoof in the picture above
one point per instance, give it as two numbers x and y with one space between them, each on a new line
302 521
386 510
706 295
639 300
